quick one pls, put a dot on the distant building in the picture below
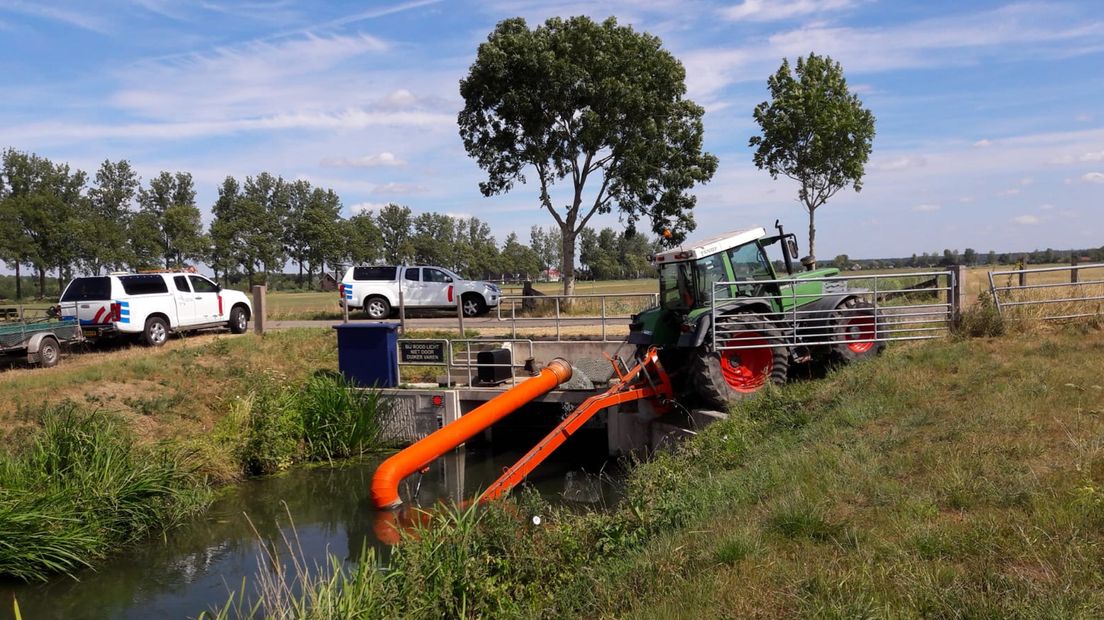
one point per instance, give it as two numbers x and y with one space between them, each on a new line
551 275
328 282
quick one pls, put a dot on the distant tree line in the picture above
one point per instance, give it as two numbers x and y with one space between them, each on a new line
58 220
971 257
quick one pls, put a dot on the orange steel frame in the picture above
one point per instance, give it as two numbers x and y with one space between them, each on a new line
636 384
645 380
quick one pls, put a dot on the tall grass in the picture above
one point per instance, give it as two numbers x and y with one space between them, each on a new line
338 420
81 488
955 479
275 426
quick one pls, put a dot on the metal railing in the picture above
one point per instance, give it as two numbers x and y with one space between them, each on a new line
1057 293
888 307
559 311
463 359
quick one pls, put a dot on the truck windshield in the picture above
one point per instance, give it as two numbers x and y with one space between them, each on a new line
88 289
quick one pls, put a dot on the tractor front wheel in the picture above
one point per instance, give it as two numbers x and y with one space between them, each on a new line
749 356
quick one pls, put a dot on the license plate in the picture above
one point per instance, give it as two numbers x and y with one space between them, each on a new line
91 333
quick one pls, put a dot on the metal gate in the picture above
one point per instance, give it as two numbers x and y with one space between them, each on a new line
885 307
1049 293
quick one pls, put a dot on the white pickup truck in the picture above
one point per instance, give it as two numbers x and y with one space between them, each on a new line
376 290
152 305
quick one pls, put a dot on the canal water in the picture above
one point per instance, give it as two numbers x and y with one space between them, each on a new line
195 567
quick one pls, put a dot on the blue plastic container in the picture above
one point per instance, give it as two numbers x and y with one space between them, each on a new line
366 353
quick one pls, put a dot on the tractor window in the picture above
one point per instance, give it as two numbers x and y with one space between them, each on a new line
707 272
748 262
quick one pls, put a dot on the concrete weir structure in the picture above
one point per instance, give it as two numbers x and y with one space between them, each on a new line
631 428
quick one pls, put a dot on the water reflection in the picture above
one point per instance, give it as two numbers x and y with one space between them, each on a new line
195 567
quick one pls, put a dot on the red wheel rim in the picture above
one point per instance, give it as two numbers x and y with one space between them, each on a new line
859 328
747 370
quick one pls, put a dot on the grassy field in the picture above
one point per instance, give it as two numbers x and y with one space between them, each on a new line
179 390
960 478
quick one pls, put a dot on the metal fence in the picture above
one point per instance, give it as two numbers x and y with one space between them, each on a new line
459 356
889 307
1049 293
602 311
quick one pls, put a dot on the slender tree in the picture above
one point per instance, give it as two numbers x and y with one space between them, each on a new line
110 200
599 105
814 131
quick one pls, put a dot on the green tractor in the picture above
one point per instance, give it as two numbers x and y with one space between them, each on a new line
764 323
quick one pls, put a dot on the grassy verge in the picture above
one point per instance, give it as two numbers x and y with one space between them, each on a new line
961 478
80 488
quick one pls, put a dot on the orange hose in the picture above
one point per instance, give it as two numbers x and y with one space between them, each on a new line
385 482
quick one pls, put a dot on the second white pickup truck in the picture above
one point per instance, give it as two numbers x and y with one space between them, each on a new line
376 290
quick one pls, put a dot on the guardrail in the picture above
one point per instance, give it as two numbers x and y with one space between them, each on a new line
597 309
1058 293
889 307
444 353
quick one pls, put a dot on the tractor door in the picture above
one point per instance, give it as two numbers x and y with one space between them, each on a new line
749 263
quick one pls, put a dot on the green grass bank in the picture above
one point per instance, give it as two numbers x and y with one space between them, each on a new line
962 478
84 485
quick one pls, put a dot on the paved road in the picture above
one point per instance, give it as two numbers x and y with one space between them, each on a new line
479 323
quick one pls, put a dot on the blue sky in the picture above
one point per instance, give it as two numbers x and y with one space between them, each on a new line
990 115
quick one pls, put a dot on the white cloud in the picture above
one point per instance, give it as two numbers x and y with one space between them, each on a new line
1046 206
927 208
368 161
900 163
1009 192
1026 220
1093 156
1026 181
774 10
362 207
950 41
251 79
966 199
352 119
45 11
1093 177
398 188
982 143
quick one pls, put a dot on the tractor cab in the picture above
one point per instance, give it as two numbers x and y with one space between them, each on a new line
687 275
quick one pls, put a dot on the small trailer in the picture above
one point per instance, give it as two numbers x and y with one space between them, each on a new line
39 339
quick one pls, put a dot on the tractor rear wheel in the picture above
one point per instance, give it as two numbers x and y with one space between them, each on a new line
854 322
722 377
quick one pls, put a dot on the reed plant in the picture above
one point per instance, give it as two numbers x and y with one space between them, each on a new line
81 487
339 420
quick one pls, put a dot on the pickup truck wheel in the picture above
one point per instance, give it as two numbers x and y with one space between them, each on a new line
156 332
377 308
474 305
48 353
239 320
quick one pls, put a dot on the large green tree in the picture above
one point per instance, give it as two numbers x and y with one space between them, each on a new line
596 104
814 131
